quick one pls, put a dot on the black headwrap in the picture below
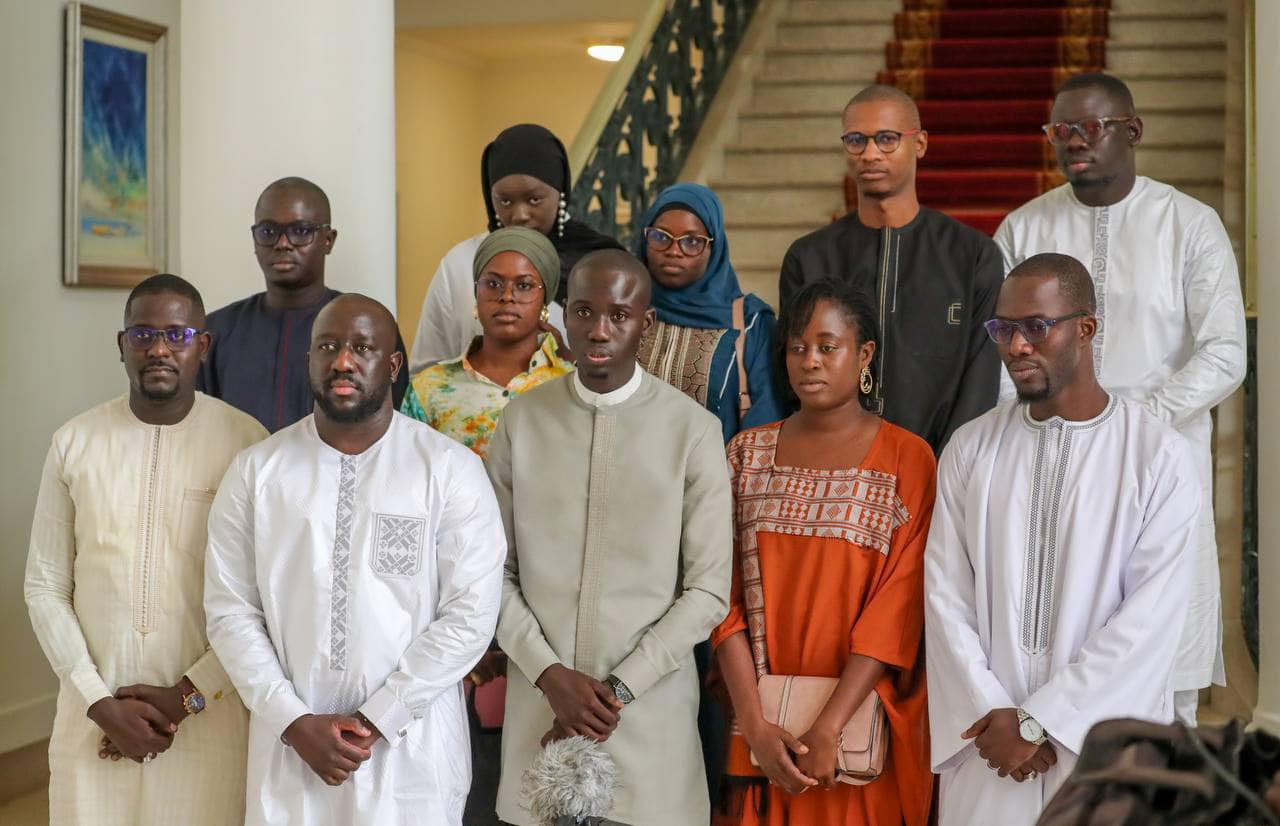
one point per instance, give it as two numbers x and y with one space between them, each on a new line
530 149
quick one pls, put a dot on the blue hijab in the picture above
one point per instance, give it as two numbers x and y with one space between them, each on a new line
708 302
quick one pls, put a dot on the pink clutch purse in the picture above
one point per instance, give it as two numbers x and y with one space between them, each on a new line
794 703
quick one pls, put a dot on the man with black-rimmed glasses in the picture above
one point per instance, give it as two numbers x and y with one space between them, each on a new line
258 361
1172 334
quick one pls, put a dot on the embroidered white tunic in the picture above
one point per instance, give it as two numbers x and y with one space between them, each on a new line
448 323
1056 575
339 583
1172 337
114 582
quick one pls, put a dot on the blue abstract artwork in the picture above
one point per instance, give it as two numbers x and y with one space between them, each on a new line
114 200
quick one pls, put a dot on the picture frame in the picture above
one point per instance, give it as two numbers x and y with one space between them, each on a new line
116 148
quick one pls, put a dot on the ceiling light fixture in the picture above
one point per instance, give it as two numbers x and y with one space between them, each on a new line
608 52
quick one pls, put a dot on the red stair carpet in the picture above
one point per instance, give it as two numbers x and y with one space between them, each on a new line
984 73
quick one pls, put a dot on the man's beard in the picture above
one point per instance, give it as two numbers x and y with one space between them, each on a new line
158 395
364 411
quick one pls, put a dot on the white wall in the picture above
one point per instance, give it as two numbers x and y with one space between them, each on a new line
59 342
267 89
1267 102
288 87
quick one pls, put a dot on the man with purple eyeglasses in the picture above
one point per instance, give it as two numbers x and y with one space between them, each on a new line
149 729
258 358
1172 331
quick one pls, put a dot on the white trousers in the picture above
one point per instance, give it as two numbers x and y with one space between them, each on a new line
1185 704
972 794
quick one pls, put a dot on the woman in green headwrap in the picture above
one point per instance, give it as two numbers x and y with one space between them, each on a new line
515 273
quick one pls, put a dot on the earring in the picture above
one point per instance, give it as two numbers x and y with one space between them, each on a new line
864 381
545 314
497 221
562 216
475 312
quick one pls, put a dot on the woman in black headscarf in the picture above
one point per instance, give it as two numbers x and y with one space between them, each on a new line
524 175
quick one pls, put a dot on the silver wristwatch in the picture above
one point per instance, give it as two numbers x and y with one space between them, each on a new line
1029 728
620 690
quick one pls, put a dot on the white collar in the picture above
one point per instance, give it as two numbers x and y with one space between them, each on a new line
618 396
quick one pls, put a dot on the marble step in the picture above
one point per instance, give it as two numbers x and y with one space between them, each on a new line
762 130
819 97
825 11
856 65
1161 27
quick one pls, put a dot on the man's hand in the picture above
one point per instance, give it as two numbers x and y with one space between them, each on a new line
367 742
999 742
821 761
167 700
773 747
136 728
582 705
318 740
556 732
1040 762
491 666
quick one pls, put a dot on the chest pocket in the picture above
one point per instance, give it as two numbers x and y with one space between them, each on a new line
193 523
397 545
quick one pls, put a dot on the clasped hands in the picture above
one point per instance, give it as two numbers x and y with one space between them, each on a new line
333 745
139 721
796 764
999 743
583 706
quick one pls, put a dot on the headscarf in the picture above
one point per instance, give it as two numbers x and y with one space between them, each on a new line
530 149
531 244
708 302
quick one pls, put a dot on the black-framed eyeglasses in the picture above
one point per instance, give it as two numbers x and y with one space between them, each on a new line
1034 329
523 291
887 140
299 233
1090 129
140 337
660 240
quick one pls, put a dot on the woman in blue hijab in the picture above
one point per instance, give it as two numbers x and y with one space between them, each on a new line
709 336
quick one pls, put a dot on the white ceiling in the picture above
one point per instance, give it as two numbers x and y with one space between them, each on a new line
423 13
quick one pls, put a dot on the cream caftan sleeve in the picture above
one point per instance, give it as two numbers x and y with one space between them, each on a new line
50 585
470 549
706 559
236 622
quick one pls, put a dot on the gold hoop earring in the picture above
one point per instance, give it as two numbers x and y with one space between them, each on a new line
475 312
864 381
545 314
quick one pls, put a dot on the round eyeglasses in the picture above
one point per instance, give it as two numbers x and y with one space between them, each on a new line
886 140
523 291
1090 129
660 240
141 337
299 233
1034 329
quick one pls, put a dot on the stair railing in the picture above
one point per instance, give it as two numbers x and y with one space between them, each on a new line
635 141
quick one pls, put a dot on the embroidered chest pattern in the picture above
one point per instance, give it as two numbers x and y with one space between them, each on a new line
397 544
339 607
680 356
1099 266
860 506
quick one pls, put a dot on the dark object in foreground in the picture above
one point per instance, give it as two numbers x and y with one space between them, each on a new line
1133 773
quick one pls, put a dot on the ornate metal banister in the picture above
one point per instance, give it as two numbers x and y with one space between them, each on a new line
643 144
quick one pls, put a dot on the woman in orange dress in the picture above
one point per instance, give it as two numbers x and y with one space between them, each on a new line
832 510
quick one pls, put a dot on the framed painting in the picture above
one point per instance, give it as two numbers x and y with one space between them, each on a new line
116 149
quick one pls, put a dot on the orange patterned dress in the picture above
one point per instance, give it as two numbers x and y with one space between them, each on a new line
832 564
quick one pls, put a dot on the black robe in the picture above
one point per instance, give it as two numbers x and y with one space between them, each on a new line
258 360
933 282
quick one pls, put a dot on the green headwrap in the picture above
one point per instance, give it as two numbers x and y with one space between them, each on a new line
532 245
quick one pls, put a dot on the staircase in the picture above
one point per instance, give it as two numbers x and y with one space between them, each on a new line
782 164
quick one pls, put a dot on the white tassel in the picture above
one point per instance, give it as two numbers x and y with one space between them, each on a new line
573 778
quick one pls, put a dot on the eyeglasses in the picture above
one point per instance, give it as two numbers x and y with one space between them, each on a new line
660 240
524 291
299 233
140 337
1034 329
887 140
1090 129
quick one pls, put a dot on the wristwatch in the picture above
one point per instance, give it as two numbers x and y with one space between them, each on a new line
193 701
620 690
1029 728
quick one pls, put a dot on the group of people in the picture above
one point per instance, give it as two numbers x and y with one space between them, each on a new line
955 499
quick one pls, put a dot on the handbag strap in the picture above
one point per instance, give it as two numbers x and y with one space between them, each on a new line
739 348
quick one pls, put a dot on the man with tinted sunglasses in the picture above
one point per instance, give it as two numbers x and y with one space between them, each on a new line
149 728
258 359
932 279
1171 320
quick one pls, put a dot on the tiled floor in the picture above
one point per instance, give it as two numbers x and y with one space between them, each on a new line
32 809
